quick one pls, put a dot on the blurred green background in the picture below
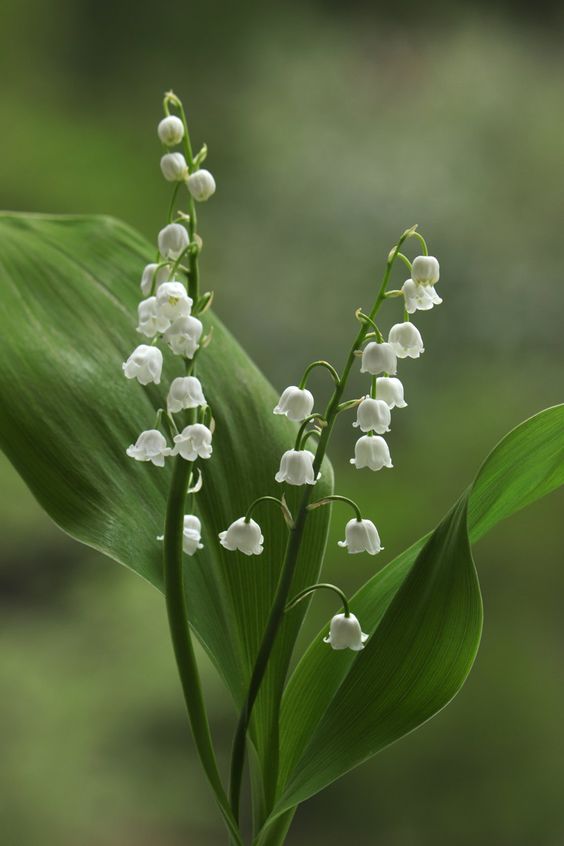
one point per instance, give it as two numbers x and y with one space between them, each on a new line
331 128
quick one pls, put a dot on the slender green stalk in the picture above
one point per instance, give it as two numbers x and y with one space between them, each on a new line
290 561
337 498
182 638
320 586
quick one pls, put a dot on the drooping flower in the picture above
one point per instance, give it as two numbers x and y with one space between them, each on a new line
244 536
183 336
419 297
296 468
191 534
150 272
195 441
170 130
361 536
173 240
373 415
296 403
390 389
144 364
406 340
345 633
201 185
172 301
174 167
150 322
378 358
371 451
185 392
425 270
150 446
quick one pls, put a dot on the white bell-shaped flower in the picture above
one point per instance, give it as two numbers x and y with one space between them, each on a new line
406 340
244 536
150 446
174 167
425 270
378 358
183 336
345 633
195 441
150 322
150 272
296 403
201 185
361 536
390 389
170 130
191 534
173 240
373 415
419 297
371 451
173 301
296 468
184 392
144 364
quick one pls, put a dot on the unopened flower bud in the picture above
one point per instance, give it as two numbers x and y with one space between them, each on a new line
173 240
195 441
373 415
425 270
171 130
361 536
244 536
406 340
150 446
201 185
378 358
174 167
295 403
296 468
144 364
345 633
390 389
191 534
185 392
371 451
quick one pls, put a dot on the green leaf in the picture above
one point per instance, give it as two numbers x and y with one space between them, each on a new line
423 613
68 298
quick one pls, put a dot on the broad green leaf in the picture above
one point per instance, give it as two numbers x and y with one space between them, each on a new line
68 298
339 708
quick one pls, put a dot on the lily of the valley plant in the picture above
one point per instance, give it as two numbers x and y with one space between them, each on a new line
232 526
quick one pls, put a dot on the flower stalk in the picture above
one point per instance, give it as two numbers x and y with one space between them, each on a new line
290 559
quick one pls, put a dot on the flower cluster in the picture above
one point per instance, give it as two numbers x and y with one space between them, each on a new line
299 466
169 316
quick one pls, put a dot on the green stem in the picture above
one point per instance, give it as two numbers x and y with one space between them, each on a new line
337 498
288 567
320 586
182 639
279 502
310 367
304 426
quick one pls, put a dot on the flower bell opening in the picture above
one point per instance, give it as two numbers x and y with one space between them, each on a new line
345 633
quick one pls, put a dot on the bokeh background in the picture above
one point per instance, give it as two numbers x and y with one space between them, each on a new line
331 128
